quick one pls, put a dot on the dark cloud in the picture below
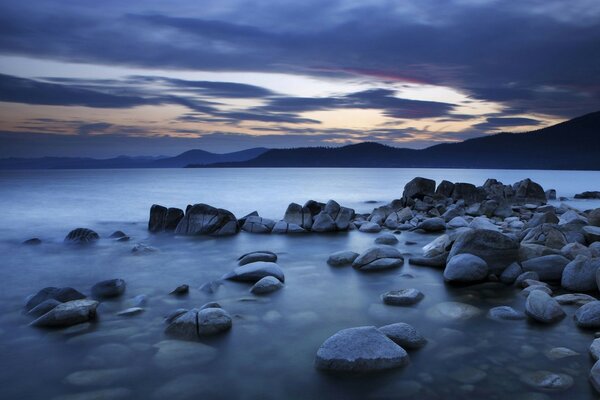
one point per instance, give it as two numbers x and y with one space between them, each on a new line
505 122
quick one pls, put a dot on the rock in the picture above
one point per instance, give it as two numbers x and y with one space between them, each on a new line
594 217
525 292
418 188
266 285
164 219
588 195
298 215
525 276
439 245
284 227
444 189
66 314
452 311
551 194
141 248
173 354
433 225
467 192
541 218
595 376
128 312
196 323
361 349
202 219
172 316
458 222
109 289
370 227
572 250
510 274
402 297
547 235
434 262
505 313
465 268
180 290
543 308
588 315
61 295
43 308
572 216
210 287
314 207
266 256
386 238
482 223
377 258
558 353
117 235
548 268
496 249
341 258
595 349
82 236
547 381
404 335
323 223
574 298
32 242
256 224
580 274
394 220
380 214
592 233
255 271
527 191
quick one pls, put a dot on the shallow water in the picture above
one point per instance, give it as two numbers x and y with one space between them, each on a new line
269 352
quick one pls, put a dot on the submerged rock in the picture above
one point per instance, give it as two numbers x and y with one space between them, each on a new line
452 311
361 349
108 289
43 308
505 313
543 308
61 295
180 290
402 297
404 335
547 381
266 285
82 236
255 271
67 314
378 258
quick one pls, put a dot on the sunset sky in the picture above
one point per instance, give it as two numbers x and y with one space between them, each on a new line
102 79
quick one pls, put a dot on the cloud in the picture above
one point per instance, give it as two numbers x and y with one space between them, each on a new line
504 122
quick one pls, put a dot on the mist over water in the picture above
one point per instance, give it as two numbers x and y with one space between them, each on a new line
269 352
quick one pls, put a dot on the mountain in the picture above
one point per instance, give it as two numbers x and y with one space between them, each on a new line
570 145
196 157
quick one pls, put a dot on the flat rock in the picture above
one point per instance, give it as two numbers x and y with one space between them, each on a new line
558 353
256 271
361 349
341 258
404 335
377 258
67 314
402 297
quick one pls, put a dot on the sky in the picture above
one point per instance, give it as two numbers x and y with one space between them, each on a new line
150 78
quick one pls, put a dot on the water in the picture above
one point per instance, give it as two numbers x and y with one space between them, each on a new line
270 351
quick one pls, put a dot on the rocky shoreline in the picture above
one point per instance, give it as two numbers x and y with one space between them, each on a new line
492 233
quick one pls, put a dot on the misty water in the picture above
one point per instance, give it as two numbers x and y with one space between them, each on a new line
269 352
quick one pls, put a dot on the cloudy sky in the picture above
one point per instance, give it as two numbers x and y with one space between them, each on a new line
159 77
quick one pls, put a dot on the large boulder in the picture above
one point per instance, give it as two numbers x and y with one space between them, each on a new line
588 315
444 189
418 188
378 258
255 271
436 224
164 219
301 216
202 219
527 191
361 349
323 223
546 235
498 250
62 295
286 227
543 308
197 323
81 236
580 274
467 192
67 314
256 224
465 268
548 268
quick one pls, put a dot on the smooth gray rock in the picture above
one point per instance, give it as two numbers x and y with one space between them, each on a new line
572 250
465 268
505 313
43 308
457 222
525 276
323 223
377 258
202 219
511 273
109 289
386 238
298 215
418 188
361 349
266 285
588 315
548 268
184 325
283 227
67 314
580 274
256 224
548 235
164 219
404 335
595 349
525 292
439 245
496 249
340 258
370 227
595 376
181 290
141 248
483 223
212 321
82 236
266 256
434 262
543 308
402 297
574 298
436 224
592 233
255 271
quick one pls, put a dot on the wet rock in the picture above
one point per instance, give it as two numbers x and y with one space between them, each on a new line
283 227
580 274
452 311
404 335
439 245
595 349
172 316
386 238
181 290
592 233
67 314
465 268
395 219
32 242
361 349
496 249
109 289
266 256
377 258
558 353
298 215
341 258
256 224
210 287
128 312
403 297
266 285
548 268
164 219
117 235
505 313
255 271
323 223
483 223
547 381
370 227
43 308
82 236
574 298
142 248
59 294
467 192
436 224
543 308
434 262
418 188
525 292
511 273
202 219
588 315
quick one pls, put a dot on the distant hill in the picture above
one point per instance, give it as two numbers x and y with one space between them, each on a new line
571 145
196 157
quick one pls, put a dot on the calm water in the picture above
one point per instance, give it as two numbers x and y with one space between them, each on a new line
269 352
